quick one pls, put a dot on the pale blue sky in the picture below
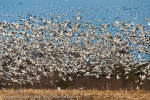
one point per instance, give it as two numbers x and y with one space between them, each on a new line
127 10
139 7
11 5
93 10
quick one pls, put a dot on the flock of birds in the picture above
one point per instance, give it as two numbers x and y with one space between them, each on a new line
32 45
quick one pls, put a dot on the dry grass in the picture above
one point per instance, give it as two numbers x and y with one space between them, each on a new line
31 94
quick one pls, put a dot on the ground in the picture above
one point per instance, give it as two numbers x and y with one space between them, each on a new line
30 94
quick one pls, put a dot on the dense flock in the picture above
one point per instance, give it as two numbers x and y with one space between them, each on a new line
34 46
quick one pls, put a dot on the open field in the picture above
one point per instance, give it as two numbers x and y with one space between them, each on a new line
31 94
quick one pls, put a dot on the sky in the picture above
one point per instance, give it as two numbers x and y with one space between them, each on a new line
19 6
62 3
109 10
13 8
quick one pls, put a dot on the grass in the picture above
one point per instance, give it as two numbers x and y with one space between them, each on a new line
31 94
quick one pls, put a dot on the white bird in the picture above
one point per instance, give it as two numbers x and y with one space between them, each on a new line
117 22
137 81
78 17
58 88
141 83
108 76
126 72
143 77
81 88
127 77
137 87
139 56
148 23
118 76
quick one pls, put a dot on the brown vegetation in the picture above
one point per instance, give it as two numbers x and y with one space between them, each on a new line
41 94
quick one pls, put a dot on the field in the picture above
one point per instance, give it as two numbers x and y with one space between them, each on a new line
30 94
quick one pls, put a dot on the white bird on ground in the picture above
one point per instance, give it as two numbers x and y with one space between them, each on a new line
81 88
